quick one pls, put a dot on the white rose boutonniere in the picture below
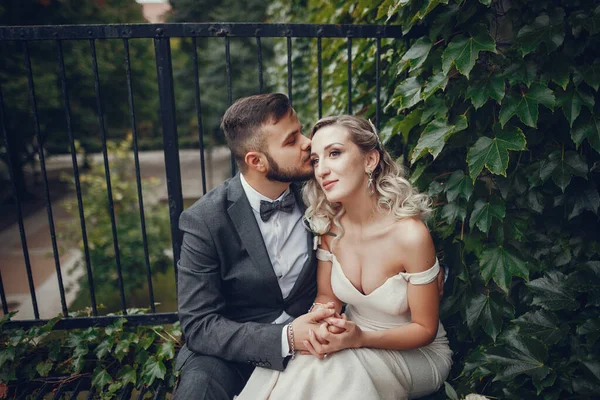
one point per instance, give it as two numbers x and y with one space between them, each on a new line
318 225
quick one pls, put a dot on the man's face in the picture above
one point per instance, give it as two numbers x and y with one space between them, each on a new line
287 150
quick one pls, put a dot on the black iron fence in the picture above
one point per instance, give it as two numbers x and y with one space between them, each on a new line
161 34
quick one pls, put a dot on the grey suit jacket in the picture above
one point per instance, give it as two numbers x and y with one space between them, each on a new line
227 290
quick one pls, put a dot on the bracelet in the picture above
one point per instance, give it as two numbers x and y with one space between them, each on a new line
290 333
314 305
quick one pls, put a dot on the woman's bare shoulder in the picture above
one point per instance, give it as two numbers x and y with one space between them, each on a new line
413 240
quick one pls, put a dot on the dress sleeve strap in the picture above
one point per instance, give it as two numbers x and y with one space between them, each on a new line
424 277
324 255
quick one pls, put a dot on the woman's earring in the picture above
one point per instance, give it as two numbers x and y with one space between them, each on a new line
370 182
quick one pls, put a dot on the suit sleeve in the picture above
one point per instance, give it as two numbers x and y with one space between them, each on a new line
201 302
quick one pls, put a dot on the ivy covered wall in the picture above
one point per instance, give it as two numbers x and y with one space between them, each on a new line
494 107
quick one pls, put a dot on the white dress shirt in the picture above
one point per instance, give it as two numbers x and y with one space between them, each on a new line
284 236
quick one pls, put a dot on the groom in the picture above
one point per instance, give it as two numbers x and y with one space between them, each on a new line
247 268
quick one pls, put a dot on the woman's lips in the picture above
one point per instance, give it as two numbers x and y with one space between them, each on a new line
328 184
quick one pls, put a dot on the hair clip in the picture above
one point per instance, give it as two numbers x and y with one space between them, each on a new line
375 132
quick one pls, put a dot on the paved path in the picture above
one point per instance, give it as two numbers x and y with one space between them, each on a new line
12 264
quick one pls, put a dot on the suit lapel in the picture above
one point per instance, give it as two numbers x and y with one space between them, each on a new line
244 222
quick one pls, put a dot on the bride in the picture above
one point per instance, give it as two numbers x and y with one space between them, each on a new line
376 256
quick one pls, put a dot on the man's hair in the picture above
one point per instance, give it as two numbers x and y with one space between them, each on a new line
243 120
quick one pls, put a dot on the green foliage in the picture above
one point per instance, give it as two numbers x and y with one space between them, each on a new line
129 232
112 357
495 107
211 64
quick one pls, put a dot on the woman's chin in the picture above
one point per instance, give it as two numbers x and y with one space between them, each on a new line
333 198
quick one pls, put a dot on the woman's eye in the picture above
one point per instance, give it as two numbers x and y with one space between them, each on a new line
334 153
314 161
291 142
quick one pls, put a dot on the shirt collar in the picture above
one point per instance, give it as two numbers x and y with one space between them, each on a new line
254 197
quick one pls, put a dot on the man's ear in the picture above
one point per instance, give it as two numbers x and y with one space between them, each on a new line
256 161
372 160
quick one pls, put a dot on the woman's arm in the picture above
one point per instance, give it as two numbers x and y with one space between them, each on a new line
324 291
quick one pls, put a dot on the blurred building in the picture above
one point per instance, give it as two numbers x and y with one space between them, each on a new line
155 11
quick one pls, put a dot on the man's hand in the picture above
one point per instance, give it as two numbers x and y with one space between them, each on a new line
309 321
323 342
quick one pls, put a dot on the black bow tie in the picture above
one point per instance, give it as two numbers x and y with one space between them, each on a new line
268 208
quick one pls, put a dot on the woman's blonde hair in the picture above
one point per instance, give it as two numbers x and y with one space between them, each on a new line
394 192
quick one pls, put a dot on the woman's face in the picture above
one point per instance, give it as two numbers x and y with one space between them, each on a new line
338 163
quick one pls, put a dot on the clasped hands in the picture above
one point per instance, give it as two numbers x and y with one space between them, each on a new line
323 331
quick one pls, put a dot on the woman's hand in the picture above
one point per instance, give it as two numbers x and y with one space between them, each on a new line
324 342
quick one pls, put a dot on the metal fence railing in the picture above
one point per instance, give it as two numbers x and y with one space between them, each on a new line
20 38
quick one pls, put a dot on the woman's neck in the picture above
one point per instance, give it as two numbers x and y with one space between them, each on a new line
361 209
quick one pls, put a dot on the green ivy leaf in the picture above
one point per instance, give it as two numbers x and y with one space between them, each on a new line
153 369
428 6
54 350
488 312
7 354
585 20
571 101
591 75
552 293
563 168
587 127
103 348
435 135
402 126
521 72
127 375
407 94
166 350
416 55
558 71
544 325
483 212
546 28
591 329
459 185
588 73
535 201
463 52
146 342
101 378
77 364
434 83
492 86
523 355
500 264
525 104
435 107
44 368
588 200
486 2
493 153
121 349
453 211
587 278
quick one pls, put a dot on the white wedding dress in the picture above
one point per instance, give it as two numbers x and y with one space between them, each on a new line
362 373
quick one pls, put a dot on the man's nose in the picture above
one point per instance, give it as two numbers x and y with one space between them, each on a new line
306 144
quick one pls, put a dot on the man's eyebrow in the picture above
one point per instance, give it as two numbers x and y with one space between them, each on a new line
328 146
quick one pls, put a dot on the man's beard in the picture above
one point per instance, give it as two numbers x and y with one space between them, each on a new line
275 173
